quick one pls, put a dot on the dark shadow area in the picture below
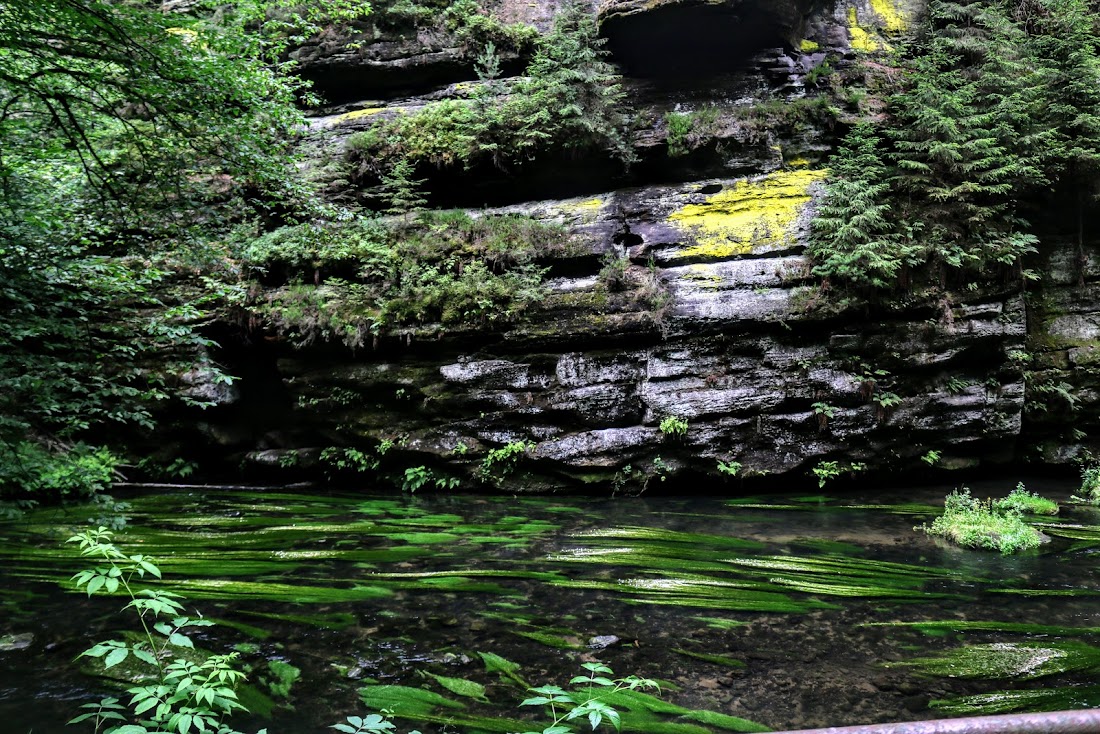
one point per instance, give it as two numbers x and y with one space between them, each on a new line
694 41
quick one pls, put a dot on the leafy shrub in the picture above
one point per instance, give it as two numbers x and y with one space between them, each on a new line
825 471
188 694
447 268
1024 502
679 125
499 463
588 700
973 523
673 426
316 249
729 468
1090 485
29 470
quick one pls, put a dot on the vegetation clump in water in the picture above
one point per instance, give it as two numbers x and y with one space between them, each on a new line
1090 486
973 523
1026 502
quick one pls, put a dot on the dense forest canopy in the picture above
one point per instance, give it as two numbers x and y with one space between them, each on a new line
127 136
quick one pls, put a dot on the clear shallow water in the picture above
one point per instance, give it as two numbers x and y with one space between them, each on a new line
789 610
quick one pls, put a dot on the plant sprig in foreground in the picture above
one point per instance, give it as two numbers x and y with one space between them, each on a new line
176 697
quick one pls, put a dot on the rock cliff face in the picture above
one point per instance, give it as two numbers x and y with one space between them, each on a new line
712 317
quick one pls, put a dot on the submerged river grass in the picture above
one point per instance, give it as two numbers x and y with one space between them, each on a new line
785 611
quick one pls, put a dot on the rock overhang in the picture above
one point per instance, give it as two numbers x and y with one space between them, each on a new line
689 38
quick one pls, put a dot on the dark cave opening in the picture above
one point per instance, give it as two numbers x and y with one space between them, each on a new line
688 42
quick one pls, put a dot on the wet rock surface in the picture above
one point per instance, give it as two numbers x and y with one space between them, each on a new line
717 320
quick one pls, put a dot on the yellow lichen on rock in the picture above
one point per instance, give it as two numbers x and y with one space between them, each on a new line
704 278
860 39
356 114
748 215
593 205
808 46
583 211
892 20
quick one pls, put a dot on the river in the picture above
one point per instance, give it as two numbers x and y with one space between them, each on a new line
778 611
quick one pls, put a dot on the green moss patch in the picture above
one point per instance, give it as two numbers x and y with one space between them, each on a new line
1031 700
1017 660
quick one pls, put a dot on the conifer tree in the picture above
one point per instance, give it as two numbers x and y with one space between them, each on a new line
855 238
956 167
401 192
1066 50
580 86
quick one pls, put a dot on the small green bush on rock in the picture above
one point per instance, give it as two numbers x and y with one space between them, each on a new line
1026 502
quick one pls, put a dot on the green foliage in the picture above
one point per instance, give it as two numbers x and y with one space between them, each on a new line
415 478
187 694
974 523
419 476
447 268
28 469
614 273
1090 485
121 126
826 471
674 426
931 457
476 29
470 25
400 191
729 468
887 400
956 385
661 469
824 413
499 463
679 125
996 106
569 98
818 74
349 460
1026 503
369 724
587 700
854 236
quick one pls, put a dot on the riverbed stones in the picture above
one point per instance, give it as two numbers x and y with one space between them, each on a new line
17 641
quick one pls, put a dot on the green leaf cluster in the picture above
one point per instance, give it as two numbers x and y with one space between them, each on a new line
182 695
